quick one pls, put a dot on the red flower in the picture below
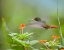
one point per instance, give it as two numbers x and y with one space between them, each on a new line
55 36
22 26
42 40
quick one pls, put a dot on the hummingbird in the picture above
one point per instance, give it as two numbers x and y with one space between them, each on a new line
39 23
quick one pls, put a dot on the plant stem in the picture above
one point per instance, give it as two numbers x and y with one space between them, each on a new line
46 46
25 48
22 30
60 31
54 40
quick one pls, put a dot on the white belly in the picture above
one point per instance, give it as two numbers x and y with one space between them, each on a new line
35 26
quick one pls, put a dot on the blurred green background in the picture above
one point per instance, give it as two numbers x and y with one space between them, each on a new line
16 12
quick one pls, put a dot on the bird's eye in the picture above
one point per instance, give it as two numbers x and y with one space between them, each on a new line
37 19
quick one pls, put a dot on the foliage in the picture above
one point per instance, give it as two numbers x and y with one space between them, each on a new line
22 41
18 41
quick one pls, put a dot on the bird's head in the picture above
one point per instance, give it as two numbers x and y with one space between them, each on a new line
35 19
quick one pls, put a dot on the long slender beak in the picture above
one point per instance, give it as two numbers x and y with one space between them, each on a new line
31 20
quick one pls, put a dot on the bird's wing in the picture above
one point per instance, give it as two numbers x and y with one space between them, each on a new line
36 24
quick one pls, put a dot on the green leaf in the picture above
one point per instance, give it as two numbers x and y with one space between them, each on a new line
13 34
25 35
18 47
33 42
42 48
5 30
52 43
